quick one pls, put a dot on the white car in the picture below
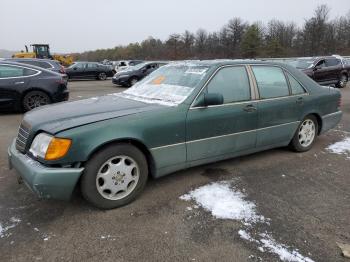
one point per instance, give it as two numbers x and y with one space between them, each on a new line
125 64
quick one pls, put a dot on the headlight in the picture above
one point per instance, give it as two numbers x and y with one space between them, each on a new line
48 147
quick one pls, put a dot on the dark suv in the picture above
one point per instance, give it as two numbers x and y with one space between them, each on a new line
25 87
130 76
84 70
325 70
48 64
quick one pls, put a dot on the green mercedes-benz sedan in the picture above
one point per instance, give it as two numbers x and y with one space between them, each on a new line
182 115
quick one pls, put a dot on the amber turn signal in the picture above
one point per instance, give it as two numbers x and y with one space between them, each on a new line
57 148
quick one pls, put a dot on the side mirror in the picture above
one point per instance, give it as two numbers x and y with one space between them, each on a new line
211 99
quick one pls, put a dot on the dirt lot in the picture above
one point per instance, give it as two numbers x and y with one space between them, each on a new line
305 196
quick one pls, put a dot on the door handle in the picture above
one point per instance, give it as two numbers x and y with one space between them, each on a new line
300 100
19 83
249 108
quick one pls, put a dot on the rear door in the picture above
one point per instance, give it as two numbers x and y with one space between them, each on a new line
13 81
279 110
91 70
216 131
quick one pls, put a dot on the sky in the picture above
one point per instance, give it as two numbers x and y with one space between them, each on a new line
81 25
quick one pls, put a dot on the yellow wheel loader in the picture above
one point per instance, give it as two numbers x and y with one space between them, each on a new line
43 51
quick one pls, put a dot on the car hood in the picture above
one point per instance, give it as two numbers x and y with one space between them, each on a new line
66 115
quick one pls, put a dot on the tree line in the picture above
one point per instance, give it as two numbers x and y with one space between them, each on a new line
319 35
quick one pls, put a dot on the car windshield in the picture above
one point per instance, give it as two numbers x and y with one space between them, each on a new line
169 85
303 63
138 66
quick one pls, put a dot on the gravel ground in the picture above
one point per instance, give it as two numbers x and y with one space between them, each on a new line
305 196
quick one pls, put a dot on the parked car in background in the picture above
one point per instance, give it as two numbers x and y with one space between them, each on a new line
131 76
25 87
122 65
85 70
328 70
182 115
48 64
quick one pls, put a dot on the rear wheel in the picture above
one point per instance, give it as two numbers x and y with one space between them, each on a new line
34 99
305 135
342 81
102 76
114 176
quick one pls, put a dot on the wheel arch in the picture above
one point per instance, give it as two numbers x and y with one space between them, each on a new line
34 89
319 121
135 142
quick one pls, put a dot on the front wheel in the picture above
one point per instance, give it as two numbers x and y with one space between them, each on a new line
305 135
133 81
114 176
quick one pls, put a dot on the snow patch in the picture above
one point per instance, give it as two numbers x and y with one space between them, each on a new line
341 147
3 229
282 250
226 202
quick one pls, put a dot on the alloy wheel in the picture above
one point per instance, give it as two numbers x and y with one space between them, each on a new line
117 177
307 133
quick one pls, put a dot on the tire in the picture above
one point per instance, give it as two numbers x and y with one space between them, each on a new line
133 81
34 99
102 76
120 168
305 135
342 81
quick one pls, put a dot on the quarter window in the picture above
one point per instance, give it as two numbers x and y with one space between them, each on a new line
12 71
295 86
232 83
271 81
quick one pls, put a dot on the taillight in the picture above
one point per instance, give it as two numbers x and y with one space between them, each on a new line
62 70
61 81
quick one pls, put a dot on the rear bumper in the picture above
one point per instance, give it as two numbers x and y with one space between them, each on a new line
61 96
47 183
330 121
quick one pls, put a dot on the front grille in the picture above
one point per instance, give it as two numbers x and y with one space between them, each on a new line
22 137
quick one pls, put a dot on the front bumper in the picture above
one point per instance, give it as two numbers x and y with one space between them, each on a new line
120 81
46 182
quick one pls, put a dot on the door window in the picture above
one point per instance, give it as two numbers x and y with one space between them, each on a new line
91 66
232 83
271 81
295 86
332 62
321 64
12 71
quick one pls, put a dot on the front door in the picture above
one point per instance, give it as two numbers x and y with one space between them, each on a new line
13 79
78 70
321 72
279 111
216 131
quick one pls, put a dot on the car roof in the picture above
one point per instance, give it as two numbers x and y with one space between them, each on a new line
50 61
6 62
